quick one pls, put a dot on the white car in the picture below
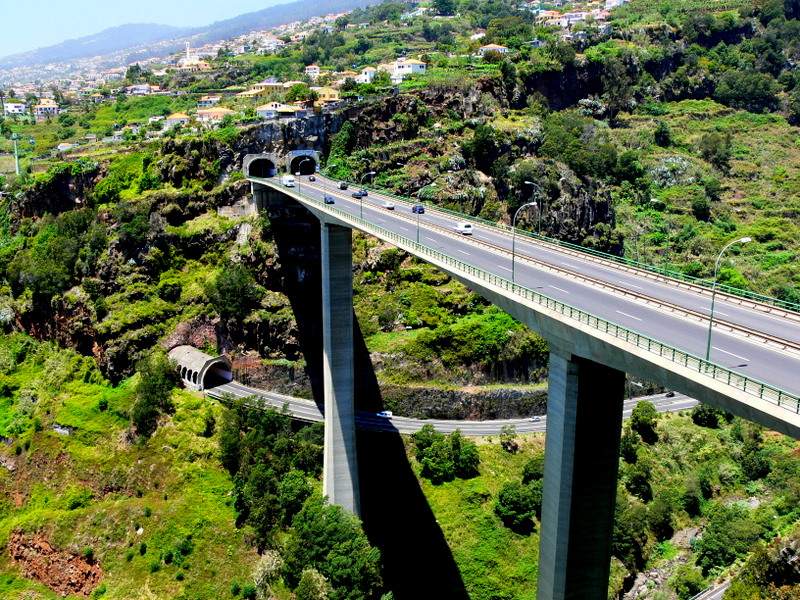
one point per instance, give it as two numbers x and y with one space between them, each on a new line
385 414
463 228
388 205
535 419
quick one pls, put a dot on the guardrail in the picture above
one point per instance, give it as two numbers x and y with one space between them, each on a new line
738 381
721 287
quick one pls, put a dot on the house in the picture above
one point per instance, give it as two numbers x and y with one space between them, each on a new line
176 119
273 110
214 114
15 108
63 146
399 69
313 71
46 108
493 48
367 75
208 101
96 98
327 94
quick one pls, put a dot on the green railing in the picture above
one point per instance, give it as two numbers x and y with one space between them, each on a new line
738 381
726 289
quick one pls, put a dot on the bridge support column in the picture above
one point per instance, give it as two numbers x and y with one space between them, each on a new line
340 469
584 422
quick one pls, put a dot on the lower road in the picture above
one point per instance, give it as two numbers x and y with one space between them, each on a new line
305 410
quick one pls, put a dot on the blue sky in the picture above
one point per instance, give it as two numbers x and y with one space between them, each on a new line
54 21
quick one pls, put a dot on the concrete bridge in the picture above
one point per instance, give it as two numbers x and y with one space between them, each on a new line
589 357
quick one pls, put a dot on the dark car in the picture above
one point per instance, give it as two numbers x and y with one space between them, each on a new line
418 209
364 192
329 200
343 186
312 178
358 194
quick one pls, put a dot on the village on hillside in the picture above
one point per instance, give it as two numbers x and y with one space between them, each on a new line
318 87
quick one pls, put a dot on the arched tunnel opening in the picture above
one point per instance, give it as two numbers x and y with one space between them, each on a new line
262 167
305 165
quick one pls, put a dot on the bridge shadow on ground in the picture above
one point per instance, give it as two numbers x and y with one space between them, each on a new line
397 518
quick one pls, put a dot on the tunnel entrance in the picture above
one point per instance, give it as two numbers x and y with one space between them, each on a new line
199 370
262 167
305 165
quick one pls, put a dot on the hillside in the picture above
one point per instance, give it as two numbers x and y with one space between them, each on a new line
658 142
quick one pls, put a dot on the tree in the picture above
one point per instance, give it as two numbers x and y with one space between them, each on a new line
716 149
382 79
445 7
705 415
331 541
157 377
618 91
516 506
687 582
233 292
508 438
662 136
313 586
533 470
300 92
643 421
748 90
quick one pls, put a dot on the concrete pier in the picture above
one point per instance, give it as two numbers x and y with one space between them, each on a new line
584 423
340 468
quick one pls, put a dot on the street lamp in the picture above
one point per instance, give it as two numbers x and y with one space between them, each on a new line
514 235
361 196
666 235
325 191
538 190
15 137
743 240
419 191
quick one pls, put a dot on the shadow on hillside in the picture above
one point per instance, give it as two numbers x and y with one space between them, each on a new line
397 518
396 515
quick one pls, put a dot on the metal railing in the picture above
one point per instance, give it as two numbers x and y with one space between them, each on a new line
699 365
721 287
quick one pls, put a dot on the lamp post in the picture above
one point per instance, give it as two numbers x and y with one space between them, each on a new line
297 176
743 240
423 201
325 191
361 196
538 190
514 235
15 137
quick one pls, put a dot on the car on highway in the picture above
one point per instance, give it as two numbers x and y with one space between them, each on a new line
357 194
535 419
312 178
364 192
418 209
329 200
342 185
463 228
388 205
384 414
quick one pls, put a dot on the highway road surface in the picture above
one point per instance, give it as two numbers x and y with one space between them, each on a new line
759 342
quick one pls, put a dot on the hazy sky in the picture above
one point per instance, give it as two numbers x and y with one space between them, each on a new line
49 22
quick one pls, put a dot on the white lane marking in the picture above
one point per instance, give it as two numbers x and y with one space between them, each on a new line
558 288
502 267
716 312
462 252
570 265
627 315
638 287
430 238
732 354
404 228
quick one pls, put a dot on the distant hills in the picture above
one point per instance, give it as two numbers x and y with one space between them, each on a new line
147 40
